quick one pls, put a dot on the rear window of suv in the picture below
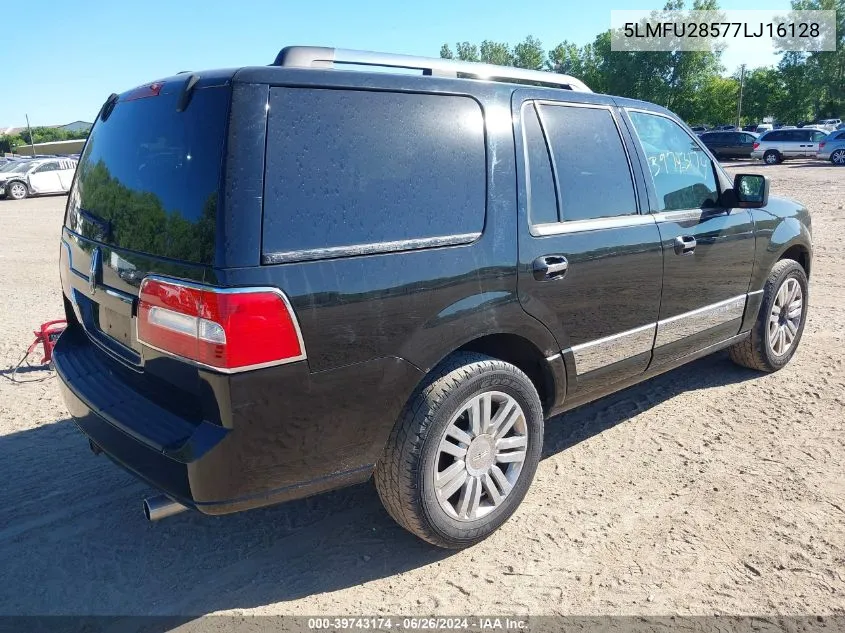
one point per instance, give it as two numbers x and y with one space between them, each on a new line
149 176
352 172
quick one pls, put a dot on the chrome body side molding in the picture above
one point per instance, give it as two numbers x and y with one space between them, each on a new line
612 349
600 353
695 321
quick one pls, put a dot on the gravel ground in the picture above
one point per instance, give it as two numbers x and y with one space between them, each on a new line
711 489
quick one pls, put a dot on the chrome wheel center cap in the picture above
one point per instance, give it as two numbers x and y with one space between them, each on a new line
481 454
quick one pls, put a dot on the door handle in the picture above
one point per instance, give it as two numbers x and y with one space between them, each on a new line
549 267
684 245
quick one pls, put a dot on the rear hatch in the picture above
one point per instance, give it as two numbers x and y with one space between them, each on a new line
145 201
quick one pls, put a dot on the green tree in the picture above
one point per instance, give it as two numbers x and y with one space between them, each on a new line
529 54
498 53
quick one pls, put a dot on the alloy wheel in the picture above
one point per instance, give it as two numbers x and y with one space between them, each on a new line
17 190
785 316
480 456
838 157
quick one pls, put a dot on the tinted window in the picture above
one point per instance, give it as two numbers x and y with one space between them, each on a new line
777 135
682 173
747 139
593 175
151 174
542 203
839 136
347 168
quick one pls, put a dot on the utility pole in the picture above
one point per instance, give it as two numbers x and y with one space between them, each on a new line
31 140
739 105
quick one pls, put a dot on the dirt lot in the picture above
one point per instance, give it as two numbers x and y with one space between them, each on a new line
711 489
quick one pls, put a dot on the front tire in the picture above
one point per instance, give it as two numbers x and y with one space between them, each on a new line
464 451
838 157
780 322
16 190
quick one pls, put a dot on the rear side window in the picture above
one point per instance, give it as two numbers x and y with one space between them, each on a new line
593 175
359 172
542 202
774 136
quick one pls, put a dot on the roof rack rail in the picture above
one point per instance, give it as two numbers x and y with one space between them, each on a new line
325 57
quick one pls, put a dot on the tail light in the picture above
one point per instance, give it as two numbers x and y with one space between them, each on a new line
230 329
756 144
821 145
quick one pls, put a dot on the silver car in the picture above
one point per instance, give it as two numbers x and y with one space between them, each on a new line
832 148
778 145
36 177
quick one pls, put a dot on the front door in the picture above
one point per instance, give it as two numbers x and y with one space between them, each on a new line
708 250
811 143
590 263
45 178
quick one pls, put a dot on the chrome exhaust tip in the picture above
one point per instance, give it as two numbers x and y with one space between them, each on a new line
161 507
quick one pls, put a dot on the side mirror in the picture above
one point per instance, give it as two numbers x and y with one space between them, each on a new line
751 190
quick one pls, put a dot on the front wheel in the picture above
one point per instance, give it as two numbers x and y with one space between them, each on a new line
16 190
464 451
780 322
838 157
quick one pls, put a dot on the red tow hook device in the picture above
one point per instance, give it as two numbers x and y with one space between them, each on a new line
47 335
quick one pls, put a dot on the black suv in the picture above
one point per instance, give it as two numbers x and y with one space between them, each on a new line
282 280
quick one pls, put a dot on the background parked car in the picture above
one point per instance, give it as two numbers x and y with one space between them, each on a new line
729 144
775 146
750 128
699 129
832 148
36 177
829 124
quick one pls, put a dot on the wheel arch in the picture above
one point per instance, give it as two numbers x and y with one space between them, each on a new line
500 329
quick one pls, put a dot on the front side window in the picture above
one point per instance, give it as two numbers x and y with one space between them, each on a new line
681 171
593 175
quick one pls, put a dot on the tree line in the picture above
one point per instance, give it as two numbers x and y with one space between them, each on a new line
801 87
39 135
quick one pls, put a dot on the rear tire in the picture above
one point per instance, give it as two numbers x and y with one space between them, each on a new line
838 157
772 157
780 322
463 452
16 190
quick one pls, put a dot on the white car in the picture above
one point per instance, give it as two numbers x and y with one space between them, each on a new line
830 124
37 177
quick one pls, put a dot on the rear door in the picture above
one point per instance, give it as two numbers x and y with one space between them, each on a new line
144 201
708 250
794 143
590 263
45 178
66 170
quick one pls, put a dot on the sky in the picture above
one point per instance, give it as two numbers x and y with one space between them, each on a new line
63 60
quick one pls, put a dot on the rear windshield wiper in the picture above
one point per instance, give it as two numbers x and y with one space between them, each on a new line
108 107
187 92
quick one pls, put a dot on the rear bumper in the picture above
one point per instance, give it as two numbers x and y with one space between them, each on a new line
293 434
